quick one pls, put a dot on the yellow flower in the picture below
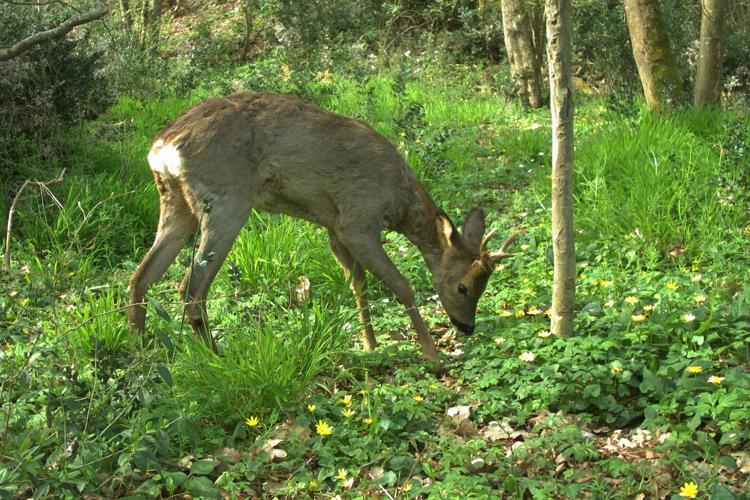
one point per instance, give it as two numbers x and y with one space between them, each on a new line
609 303
638 317
689 317
342 474
252 421
433 387
367 421
346 400
672 286
348 413
713 379
418 398
689 490
595 282
311 408
544 334
313 485
520 313
406 487
606 283
362 392
631 300
694 369
699 299
504 313
616 370
584 276
323 428
534 311
648 307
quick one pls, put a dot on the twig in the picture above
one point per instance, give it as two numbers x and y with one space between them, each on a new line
9 228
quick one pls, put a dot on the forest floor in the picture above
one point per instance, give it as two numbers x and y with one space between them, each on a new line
651 393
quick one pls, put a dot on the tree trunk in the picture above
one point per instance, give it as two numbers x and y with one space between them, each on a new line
154 26
559 55
662 84
710 57
127 15
248 8
525 66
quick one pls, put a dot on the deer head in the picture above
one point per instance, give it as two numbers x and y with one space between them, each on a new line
461 275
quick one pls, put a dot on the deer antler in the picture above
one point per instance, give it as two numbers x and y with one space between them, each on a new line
500 254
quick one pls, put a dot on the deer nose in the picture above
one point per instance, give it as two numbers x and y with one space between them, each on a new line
463 327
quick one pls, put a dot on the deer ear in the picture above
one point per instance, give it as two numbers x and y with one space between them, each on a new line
473 229
446 231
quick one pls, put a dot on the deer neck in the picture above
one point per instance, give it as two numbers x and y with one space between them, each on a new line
420 227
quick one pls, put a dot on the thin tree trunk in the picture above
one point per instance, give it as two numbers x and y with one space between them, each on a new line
525 67
154 26
661 81
248 9
710 56
127 15
561 104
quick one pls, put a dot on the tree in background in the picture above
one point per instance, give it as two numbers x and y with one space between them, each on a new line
661 81
559 55
522 29
710 56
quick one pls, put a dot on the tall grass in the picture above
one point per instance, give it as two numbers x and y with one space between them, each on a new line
266 365
657 180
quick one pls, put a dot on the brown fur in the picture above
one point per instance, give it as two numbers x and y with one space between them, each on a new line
281 154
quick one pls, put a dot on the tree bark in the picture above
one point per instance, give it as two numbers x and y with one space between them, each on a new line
248 9
154 26
52 34
525 65
559 55
127 15
710 55
661 81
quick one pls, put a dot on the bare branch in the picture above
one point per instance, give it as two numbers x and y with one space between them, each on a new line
54 33
11 211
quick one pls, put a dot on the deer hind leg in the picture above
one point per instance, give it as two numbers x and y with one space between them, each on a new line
358 285
366 249
176 224
219 229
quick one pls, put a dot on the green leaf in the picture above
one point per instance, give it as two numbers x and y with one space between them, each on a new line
159 309
719 492
173 480
202 487
388 478
203 467
164 373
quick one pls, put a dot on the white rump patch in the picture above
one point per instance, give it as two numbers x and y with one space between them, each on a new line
165 159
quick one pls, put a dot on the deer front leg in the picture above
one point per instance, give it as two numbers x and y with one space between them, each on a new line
358 285
366 249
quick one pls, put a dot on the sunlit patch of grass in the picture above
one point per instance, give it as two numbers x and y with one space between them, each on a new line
265 365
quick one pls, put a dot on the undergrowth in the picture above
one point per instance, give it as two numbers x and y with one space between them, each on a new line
291 407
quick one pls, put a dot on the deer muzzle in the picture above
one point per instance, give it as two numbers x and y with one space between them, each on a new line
462 327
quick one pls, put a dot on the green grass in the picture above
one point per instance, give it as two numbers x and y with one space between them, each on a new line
162 415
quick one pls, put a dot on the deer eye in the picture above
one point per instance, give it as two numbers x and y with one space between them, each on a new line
462 289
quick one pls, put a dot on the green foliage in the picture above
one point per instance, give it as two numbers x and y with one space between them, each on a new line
264 368
642 181
82 399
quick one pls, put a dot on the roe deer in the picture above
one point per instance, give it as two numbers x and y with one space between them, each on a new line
281 154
